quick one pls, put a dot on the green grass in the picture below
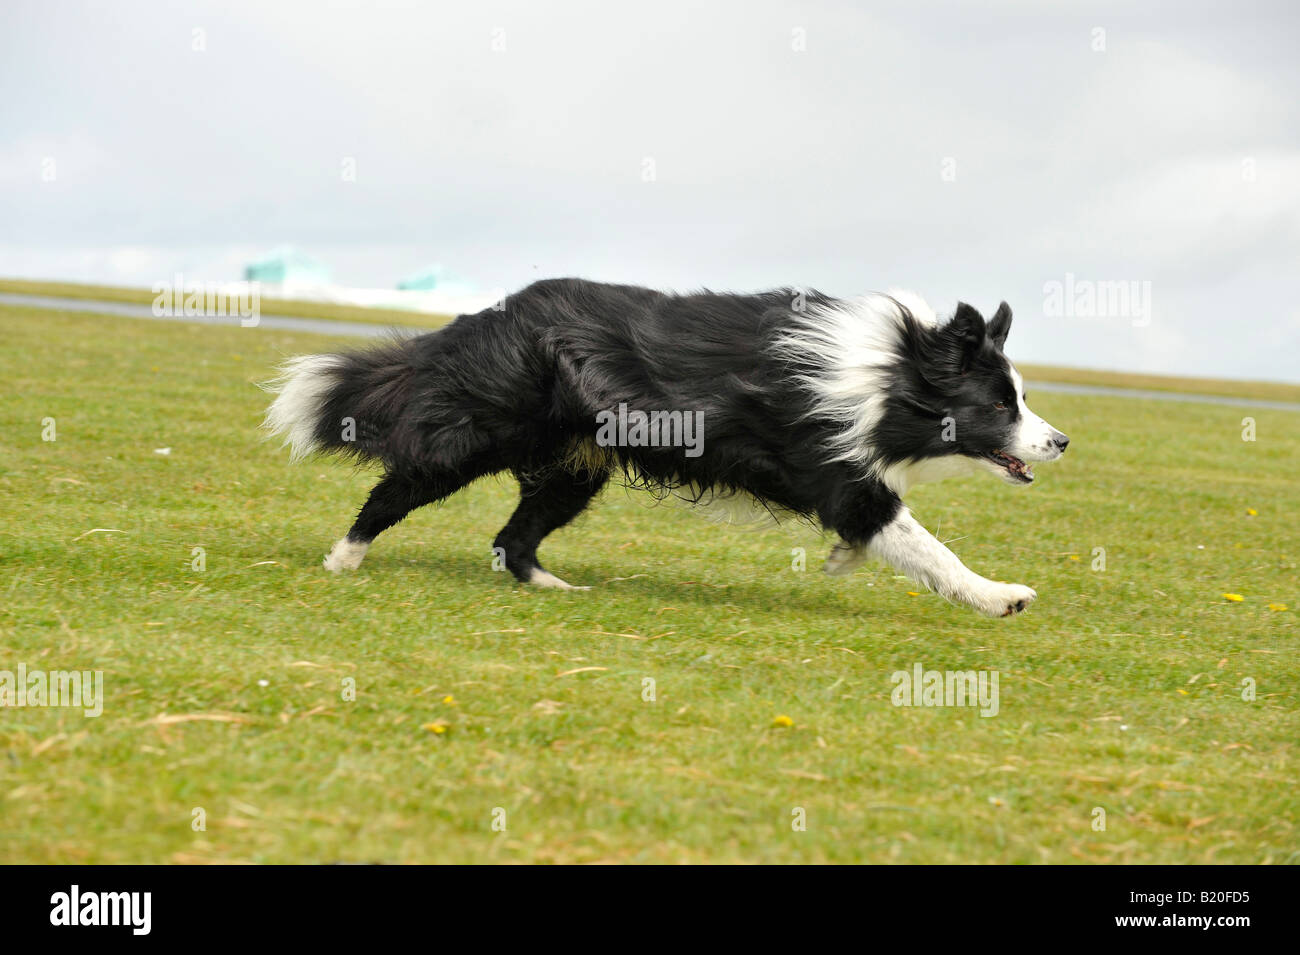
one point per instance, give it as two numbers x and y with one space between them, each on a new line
1272 391
268 306
1265 390
1120 688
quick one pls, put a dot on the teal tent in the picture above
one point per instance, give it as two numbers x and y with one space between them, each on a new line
287 265
435 277
422 281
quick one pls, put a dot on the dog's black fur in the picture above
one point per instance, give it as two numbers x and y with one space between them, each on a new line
518 388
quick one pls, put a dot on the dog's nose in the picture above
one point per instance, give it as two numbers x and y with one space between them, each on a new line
1061 441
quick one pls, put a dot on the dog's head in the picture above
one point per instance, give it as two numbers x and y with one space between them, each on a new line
962 377
986 398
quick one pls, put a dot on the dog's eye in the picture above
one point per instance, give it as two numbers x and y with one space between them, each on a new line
1000 406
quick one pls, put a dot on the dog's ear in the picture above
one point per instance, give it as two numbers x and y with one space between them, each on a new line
1000 325
965 335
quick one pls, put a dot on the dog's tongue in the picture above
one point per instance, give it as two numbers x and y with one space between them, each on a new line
1014 465
1021 468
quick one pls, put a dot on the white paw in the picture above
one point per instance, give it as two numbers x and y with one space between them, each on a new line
1001 600
345 555
843 559
543 578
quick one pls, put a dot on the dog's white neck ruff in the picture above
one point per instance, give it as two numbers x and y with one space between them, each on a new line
845 351
901 476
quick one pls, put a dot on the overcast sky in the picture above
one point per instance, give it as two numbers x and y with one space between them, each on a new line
972 151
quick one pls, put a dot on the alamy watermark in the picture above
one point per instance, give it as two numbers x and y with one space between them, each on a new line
656 429
208 300
1087 298
83 688
130 909
922 687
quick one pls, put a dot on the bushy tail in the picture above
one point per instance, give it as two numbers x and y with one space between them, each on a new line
347 403
303 389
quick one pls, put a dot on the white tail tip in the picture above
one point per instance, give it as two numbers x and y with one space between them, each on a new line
302 387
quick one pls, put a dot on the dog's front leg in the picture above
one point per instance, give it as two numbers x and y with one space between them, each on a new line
907 546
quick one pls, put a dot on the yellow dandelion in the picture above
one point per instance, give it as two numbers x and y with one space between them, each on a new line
1277 608
449 700
1075 557
1234 598
913 593
1251 512
438 727
1182 692
783 720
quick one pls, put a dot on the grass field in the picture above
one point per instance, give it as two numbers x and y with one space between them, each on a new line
267 306
1121 689
1268 390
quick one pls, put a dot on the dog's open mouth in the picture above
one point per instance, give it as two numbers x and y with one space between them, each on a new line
1016 468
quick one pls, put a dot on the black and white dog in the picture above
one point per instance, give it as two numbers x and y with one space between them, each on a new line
825 408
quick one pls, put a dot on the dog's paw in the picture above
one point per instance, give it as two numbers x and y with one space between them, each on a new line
543 578
843 559
1003 600
345 555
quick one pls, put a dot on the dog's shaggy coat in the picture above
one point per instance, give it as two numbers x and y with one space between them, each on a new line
824 408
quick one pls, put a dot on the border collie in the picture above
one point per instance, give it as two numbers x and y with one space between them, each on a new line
829 409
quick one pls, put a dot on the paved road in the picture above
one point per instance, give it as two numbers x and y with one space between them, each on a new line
1110 392
324 326
363 330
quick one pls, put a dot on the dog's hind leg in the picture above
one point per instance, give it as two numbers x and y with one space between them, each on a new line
390 500
546 503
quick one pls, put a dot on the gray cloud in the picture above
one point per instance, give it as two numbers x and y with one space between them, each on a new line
1171 157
